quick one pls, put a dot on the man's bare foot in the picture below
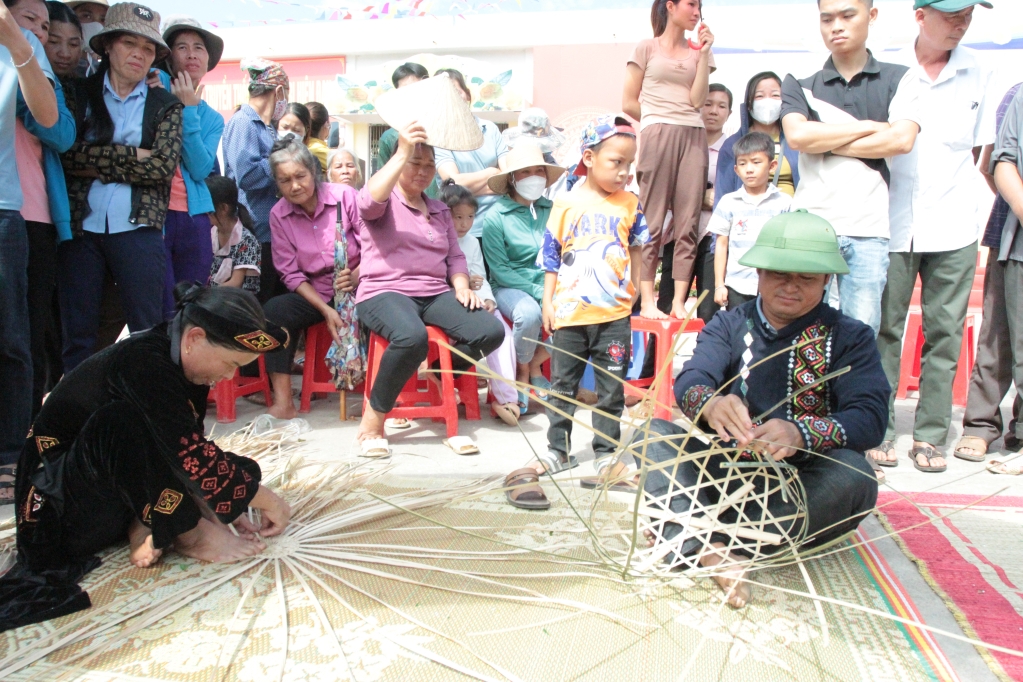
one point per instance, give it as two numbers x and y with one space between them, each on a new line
731 580
140 541
371 426
215 543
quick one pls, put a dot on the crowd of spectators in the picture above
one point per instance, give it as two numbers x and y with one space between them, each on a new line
118 182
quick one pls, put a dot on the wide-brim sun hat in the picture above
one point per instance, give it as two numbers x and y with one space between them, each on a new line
535 126
797 242
128 17
214 43
525 155
437 104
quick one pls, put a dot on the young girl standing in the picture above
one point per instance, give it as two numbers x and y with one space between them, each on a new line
502 361
666 85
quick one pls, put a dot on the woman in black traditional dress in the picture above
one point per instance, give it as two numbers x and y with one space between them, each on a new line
118 452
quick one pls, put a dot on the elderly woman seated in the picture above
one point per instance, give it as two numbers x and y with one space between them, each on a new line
413 275
304 226
343 168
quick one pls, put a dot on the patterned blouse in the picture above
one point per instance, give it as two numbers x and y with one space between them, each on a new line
245 254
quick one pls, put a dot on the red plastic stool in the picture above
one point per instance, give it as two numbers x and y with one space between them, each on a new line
420 399
912 352
226 393
664 333
316 378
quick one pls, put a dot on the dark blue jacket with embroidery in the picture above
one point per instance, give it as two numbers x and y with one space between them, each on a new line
850 411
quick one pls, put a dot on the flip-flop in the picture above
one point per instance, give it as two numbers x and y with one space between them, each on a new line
541 386
523 403
878 471
565 462
462 445
930 453
885 447
509 414
597 483
524 490
376 448
975 443
399 424
1009 468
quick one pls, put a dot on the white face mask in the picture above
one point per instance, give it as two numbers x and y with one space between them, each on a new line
530 188
90 29
767 111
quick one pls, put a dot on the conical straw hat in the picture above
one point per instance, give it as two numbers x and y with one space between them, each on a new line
438 106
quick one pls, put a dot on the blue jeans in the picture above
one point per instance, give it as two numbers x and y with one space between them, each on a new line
15 354
861 290
526 319
137 260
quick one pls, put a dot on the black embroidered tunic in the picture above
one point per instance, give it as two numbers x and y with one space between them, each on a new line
850 411
139 375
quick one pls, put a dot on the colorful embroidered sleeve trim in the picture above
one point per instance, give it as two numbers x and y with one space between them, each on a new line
226 487
694 400
821 433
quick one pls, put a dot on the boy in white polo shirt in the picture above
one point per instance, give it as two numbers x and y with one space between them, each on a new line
740 215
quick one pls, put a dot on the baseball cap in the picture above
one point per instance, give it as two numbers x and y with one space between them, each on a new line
600 129
951 6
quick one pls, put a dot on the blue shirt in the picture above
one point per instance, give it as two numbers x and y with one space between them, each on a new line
110 204
247 143
494 147
10 184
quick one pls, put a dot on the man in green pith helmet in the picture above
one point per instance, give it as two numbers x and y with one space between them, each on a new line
823 431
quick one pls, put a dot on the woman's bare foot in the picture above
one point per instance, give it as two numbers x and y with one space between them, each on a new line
140 541
731 580
371 426
215 543
678 308
284 404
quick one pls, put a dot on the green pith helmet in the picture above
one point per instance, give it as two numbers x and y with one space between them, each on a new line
797 242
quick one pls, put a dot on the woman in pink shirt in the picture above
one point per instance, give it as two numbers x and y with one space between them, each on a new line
413 275
303 229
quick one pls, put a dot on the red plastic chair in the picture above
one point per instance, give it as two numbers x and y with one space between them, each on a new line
664 333
420 399
316 378
912 352
226 393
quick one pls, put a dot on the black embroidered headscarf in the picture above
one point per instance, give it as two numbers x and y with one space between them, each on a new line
231 318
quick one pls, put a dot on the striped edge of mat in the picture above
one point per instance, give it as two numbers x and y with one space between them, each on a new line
927 536
900 604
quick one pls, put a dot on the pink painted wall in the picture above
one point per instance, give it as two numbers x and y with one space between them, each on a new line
575 78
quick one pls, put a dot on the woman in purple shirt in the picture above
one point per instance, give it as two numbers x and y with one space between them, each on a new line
303 228
413 275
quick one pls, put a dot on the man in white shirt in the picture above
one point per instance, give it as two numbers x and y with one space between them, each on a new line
933 216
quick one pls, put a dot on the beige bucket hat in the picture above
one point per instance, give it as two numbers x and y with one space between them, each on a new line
523 155
75 3
214 43
127 17
437 104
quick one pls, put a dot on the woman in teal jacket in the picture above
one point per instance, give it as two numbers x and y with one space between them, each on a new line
187 229
512 235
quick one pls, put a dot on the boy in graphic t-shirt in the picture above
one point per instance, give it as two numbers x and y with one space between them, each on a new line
592 254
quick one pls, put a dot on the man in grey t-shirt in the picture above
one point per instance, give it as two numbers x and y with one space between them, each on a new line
22 64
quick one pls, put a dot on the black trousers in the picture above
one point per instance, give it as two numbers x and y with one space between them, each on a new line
607 346
270 284
735 299
402 320
114 473
841 489
295 314
42 283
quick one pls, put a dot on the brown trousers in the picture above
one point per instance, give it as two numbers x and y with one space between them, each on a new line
672 174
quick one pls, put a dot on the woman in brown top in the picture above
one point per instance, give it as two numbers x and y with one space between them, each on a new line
666 84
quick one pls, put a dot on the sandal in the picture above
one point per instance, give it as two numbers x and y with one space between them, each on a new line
597 483
524 490
884 448
974 443
565 462
398 424
462 445
1012 467
523 403
930 453
878 471
7 487
541 386
376 448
